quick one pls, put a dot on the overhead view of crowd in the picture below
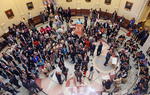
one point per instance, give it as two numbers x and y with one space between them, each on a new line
41 51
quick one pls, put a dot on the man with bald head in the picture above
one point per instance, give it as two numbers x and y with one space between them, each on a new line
58 76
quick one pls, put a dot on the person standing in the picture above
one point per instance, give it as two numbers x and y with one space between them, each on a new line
11 89
109 54
14 81
91 12
99 49
69 12
52 7
65 72
114 16
58 76
91 73
42 16
2 85
33 84
45 15
30 18
78 75
92 49
99 13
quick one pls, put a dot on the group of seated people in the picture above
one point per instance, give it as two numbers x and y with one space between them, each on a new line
41 51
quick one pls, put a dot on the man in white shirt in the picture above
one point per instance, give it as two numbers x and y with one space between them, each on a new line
60 30
31 18
79 21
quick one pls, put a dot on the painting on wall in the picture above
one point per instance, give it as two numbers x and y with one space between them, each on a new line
9 14
108 2
128 5
88 0
68 0
30 6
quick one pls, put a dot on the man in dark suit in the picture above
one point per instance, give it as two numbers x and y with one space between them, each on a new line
14 81
121 20
107 84
11 89
23 39
51 23
2 85
2 73
92 49
58 76
87 57
11 40
9 72
72 53
114 16
33 84
109 54
106 24
7 57
25 83
83 53
17 71
99 49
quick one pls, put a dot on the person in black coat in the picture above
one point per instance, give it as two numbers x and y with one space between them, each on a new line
106 24
92 49
58 76
144 38
99 49
72 54
2 74
7 57
33 84
108 32
17 71
52 7
51 23
23 39
11 89
107 84
109 54
9 72
48 9
60 10
14 81
25 83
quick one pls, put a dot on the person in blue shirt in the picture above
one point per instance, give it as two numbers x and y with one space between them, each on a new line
35 59
135 31
58 24
132 21
41 62
143 62
64 50
140 55
79 21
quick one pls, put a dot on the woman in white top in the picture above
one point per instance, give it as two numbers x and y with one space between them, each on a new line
98 20
91 11
91 73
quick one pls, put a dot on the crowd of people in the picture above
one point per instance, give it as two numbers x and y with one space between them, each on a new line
40 51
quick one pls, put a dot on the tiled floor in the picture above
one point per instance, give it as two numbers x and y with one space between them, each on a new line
71 87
